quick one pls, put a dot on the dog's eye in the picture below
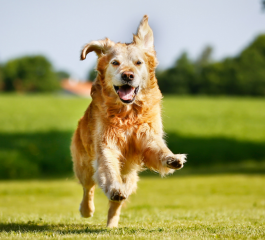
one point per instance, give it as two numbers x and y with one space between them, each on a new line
138 62
116 63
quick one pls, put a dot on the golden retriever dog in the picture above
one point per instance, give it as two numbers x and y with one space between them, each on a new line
121 131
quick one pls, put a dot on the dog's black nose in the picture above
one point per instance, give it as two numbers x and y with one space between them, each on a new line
127 76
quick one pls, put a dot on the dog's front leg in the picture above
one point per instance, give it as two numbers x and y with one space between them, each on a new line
107 174
158 157
114 214
108 177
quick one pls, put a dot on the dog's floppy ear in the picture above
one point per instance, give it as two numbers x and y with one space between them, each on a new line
99 47
144 35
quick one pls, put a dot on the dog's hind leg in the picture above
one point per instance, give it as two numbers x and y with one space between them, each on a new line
114 214
84 172
87 207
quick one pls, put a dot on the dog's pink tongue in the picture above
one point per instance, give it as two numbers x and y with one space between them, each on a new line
126 92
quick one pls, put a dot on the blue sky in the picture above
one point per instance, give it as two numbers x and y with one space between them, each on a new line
59 28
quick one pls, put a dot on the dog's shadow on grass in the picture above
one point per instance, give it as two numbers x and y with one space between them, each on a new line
52 228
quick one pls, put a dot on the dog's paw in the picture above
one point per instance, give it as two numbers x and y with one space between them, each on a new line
176 161
116 193
86 211
117 196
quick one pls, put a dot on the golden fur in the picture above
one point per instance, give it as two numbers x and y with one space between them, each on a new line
120 135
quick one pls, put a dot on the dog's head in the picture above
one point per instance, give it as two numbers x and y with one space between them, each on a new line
125 69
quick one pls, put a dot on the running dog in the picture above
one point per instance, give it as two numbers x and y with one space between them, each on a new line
121 131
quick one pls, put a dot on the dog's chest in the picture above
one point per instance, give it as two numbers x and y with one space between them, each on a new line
130 139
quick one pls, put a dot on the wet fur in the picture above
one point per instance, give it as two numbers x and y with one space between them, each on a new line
115 140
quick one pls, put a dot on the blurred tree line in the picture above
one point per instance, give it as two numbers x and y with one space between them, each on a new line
241 75
30 74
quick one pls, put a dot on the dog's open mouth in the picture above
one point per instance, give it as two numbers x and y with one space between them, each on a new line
126 93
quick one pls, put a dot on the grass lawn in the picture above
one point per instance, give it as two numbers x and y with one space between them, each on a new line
177 207
219 134
237 118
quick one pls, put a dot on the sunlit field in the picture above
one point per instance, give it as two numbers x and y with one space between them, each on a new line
218 194
194 207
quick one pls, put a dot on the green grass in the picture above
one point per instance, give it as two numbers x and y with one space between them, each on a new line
35 134
222 134
211 117
219 134
236 118
192 207
24 114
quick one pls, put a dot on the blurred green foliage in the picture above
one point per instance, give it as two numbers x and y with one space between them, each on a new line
61 75
1 78
241 75
218 134
92 74
29 74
